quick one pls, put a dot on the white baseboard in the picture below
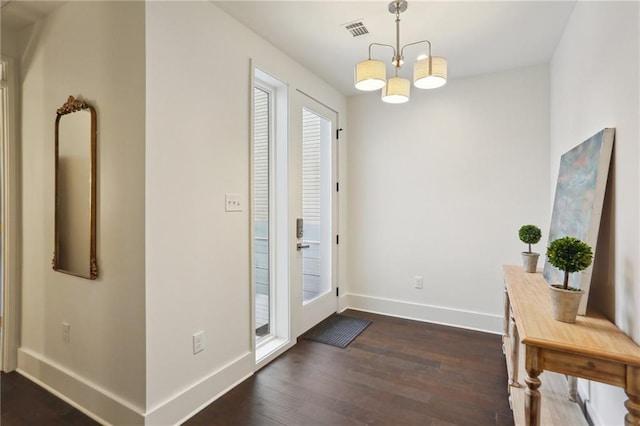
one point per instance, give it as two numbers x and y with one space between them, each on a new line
343 302
97 403
415 311
109 409
180 407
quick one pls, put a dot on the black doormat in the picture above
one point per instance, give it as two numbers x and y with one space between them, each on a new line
337 330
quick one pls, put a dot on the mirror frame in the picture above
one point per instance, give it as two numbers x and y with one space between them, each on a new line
70 106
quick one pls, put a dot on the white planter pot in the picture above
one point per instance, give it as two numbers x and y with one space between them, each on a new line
530 261
565 303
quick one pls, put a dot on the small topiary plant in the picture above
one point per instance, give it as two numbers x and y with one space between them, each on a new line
529 234
569 254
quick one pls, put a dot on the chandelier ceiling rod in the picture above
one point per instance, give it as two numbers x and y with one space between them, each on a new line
397 57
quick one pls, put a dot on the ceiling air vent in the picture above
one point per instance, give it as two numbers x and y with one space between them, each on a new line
356 28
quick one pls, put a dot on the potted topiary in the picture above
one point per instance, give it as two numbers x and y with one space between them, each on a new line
568 254
530 234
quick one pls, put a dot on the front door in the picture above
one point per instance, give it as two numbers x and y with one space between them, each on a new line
313 203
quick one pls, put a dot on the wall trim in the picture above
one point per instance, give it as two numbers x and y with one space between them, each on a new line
96 402
186 403
10 239
343 302
478 321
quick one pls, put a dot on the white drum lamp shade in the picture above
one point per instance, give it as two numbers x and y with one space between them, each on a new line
370 75
430 73
396 91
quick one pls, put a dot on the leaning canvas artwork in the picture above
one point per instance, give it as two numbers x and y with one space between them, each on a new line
577 207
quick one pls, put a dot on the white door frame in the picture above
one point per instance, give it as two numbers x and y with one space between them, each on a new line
281 339
10 219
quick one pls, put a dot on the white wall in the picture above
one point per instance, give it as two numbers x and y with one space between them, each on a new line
595 83
198 146
92 50
439 188
9 41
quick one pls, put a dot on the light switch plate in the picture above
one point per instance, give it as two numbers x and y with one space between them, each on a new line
198 342
233 203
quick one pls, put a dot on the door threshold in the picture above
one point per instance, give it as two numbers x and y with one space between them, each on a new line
268 351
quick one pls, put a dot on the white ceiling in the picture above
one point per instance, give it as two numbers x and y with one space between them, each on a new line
476 37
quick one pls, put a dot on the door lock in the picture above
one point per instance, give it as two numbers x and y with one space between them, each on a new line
299 227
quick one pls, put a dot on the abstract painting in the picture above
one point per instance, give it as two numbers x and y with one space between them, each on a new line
577 207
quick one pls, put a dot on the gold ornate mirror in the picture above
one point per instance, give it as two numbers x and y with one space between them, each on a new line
75 190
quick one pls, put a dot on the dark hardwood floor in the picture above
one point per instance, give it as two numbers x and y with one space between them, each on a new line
397 372
23 403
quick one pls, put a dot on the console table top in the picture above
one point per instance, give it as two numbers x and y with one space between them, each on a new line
591 334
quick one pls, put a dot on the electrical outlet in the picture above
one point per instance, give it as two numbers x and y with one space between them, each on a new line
418 282
198 342
66 332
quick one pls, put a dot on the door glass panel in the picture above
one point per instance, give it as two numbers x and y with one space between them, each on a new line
261 255
316 207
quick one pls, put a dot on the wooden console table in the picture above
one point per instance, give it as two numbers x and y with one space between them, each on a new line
593 348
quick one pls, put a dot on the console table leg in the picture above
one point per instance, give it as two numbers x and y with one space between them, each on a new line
515 356
507 313
633 407
633 392
532 394
532 399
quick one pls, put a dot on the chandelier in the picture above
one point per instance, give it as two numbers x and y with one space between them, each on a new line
429 72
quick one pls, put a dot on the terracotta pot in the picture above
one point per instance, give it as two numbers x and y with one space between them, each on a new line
565 303
530 261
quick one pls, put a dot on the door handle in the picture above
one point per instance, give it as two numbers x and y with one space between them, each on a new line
301 246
